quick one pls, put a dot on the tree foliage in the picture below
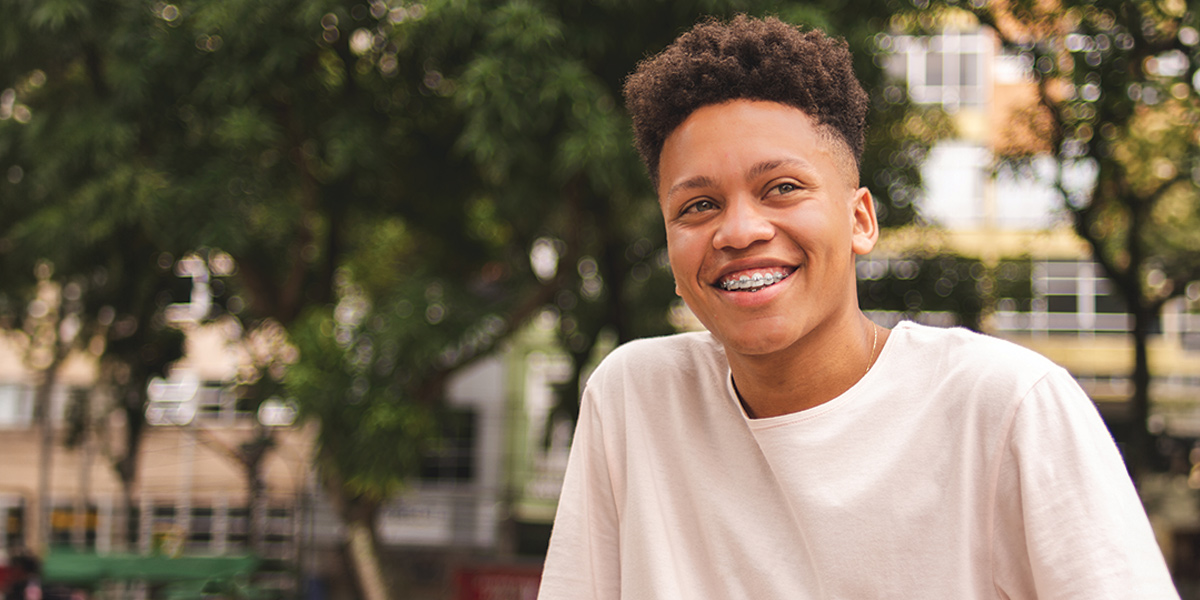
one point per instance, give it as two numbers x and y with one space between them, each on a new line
377 174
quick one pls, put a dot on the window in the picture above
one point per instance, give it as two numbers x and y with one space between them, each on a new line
955 175
64 520
1068 296
200 530
14 524
216 401
238 528
1110 302
1062 304
16 405
945 69
277 534
1078 297
452 460
133 526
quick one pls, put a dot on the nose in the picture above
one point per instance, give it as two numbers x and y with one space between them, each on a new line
742 224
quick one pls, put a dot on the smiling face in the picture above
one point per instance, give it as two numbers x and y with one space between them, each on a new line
764 218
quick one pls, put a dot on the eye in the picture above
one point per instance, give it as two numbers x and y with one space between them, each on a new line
782 188
700 206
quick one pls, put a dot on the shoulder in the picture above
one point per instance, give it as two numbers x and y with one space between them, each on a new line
661 357
660 376
955 340
964 353
985 376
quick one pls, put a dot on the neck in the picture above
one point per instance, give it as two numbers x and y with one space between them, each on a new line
815 370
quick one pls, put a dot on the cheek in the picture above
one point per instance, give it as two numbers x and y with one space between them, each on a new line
823 230
678 268
683 262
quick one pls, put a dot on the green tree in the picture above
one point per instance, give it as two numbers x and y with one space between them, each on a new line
379 174
105 302
554 123
533 92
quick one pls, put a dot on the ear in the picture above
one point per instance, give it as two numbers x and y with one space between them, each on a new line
864 226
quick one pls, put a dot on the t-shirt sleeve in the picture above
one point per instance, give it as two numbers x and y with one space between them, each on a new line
1068 522
583 562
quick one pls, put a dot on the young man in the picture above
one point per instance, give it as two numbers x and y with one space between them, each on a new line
795 449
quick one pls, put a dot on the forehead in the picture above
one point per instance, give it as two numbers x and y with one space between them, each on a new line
723 137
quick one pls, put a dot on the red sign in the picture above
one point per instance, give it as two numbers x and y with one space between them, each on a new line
497 582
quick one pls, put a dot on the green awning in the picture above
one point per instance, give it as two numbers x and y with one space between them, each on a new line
86 568
205 590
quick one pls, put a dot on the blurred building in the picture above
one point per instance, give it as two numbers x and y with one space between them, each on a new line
190 495
1043 289
483 500
477 522
1034 278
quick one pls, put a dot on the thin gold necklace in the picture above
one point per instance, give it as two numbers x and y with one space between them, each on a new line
874 341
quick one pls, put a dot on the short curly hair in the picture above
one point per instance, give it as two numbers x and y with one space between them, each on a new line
751 59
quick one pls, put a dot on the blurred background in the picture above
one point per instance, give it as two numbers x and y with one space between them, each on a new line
296 297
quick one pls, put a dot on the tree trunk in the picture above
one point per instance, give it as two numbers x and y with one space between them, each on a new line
1143 315
83 497
41 536
364 552
120 526
1142 445
252 454
127 466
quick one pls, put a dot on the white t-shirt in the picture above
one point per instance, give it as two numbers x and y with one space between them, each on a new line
960 466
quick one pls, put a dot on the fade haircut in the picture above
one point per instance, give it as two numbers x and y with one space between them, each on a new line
747 59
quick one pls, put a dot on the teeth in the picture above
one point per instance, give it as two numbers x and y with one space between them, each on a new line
754 282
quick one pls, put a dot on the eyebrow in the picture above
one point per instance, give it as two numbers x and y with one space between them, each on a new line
768 165
702 181
699 181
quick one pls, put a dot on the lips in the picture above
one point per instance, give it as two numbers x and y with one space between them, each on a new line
753 280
